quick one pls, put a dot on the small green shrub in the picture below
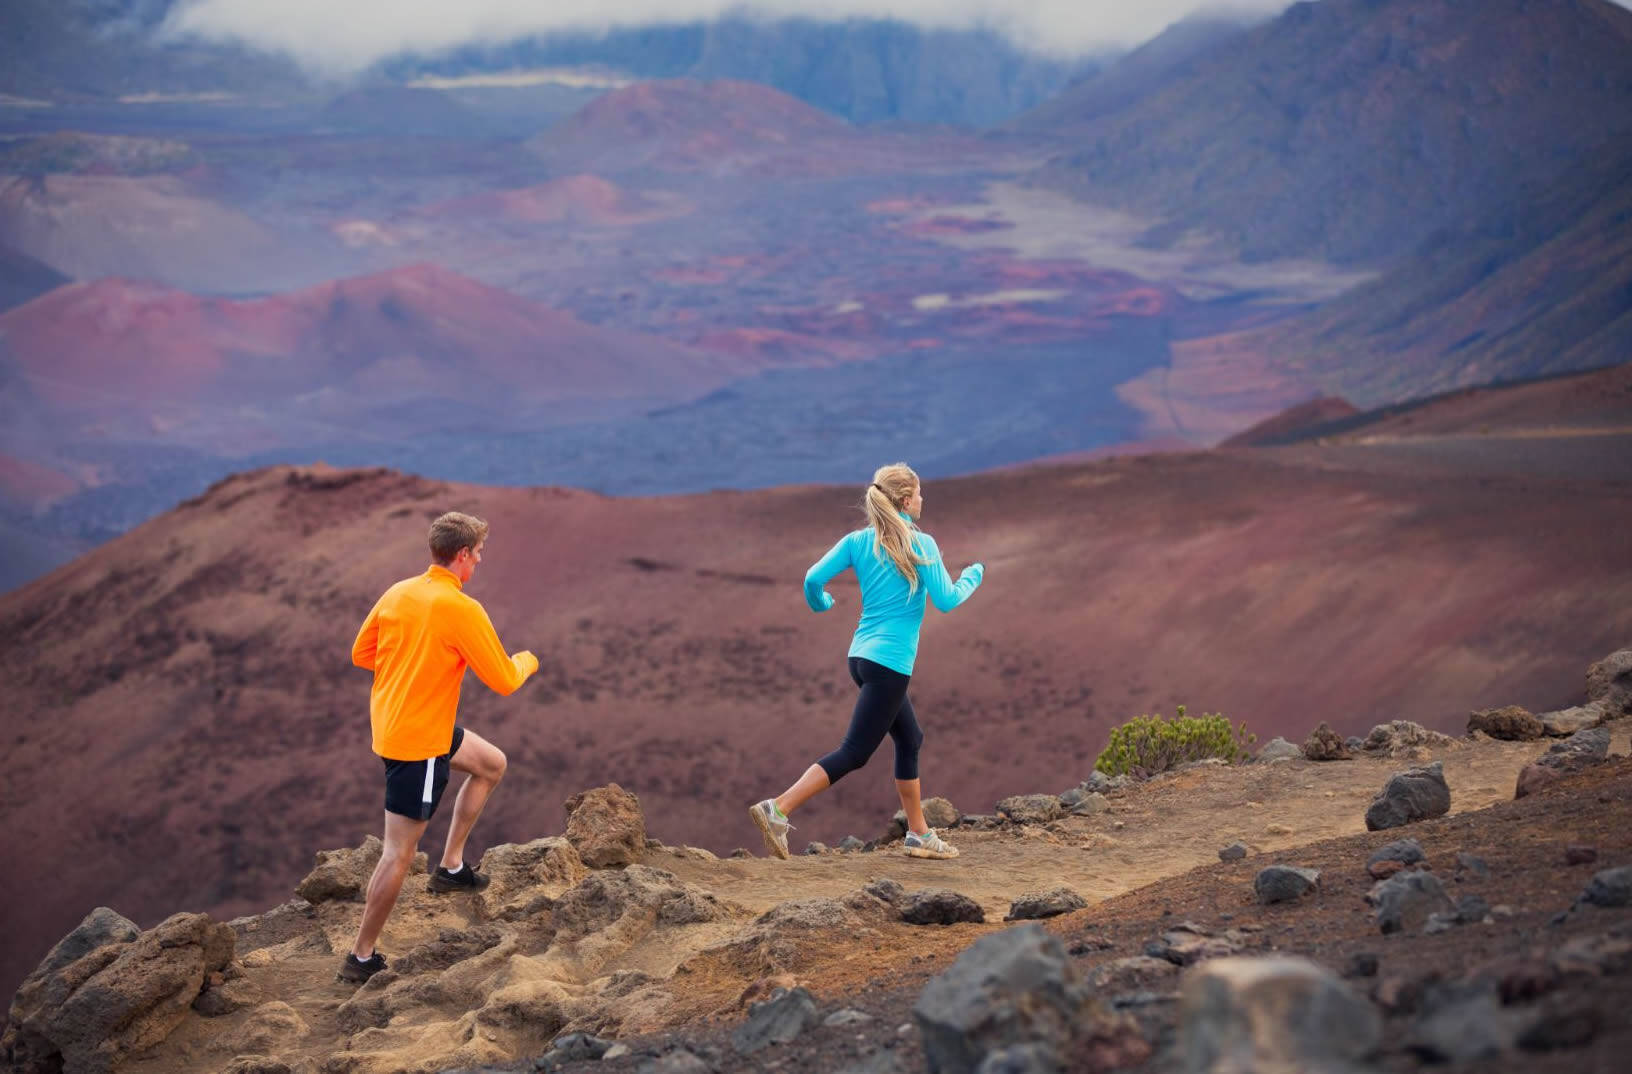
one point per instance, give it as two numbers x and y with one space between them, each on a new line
1149 744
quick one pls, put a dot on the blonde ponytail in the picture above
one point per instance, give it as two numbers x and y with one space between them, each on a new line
884 501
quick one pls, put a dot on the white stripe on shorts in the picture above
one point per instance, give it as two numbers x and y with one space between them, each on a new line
430 777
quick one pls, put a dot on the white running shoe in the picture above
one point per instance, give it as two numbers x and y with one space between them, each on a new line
929 845
773 826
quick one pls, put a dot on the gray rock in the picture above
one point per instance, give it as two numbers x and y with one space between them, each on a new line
938 907
1073 796
1566 722
1015 987
1234 852
1472 909
1405 901
1407 850
1279 749
679 1061
1283 883
1413 795
1469 1028
1400 736
1021 1059
1609 888
575 1047
1097 782
1030 808
778 1020
850 844
1472 863
1610 681
1045 904
1090 805
1355 743
814 847
1141 973
847 1016
1591 743
897 828
1274 1013
1189 944
884 888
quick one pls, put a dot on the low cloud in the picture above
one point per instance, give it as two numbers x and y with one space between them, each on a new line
346 36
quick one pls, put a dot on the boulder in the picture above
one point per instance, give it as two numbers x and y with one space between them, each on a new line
1189 943
1533 777
1045 904
1234 852
938 907
1510 722
940 813
777 1020
1566 722
1405 901
1275 1013
606 826
1405 851
1465 1028
1030 808
525 878
1018 988
101 995
1283 883
1412 795
776 940
1401 736
1279 749
1324 744
344 874
1090 804
1141 973
1610 888
850 844
1582 750
1609 682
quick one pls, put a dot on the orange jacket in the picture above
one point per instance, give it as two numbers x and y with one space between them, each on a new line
417 641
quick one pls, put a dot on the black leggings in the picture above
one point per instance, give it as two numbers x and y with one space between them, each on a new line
883 708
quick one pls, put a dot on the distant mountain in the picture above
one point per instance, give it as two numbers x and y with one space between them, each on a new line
1351 129
116 360
865 70
23 279
1539 286
106 48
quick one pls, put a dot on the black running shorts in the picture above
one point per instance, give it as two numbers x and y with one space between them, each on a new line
413 789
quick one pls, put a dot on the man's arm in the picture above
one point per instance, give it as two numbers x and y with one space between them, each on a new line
477 641
368 640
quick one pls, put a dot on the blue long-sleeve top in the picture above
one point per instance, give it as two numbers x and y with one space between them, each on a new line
891 610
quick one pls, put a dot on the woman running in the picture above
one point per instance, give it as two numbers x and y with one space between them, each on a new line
897 565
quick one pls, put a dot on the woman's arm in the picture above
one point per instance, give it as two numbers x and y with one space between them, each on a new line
822 572
944 593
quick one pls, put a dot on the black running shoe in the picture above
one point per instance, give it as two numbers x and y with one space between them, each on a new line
360 969
466 879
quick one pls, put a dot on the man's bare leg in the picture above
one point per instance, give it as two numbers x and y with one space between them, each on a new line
485 764
808 786
401 840
908 790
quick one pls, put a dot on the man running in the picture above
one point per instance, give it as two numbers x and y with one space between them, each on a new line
417 641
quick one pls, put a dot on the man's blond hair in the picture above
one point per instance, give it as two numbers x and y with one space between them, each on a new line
453 531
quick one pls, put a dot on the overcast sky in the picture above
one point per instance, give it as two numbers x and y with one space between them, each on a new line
345 35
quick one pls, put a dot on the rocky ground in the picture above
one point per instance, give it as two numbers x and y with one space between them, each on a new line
1210 916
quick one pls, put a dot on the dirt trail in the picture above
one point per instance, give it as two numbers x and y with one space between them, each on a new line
1150 832
1153 831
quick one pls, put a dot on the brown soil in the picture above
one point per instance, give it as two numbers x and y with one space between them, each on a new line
1147 863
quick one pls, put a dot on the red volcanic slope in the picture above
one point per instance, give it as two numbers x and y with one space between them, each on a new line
183 694
586 198
1293 420
115 344
719 127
